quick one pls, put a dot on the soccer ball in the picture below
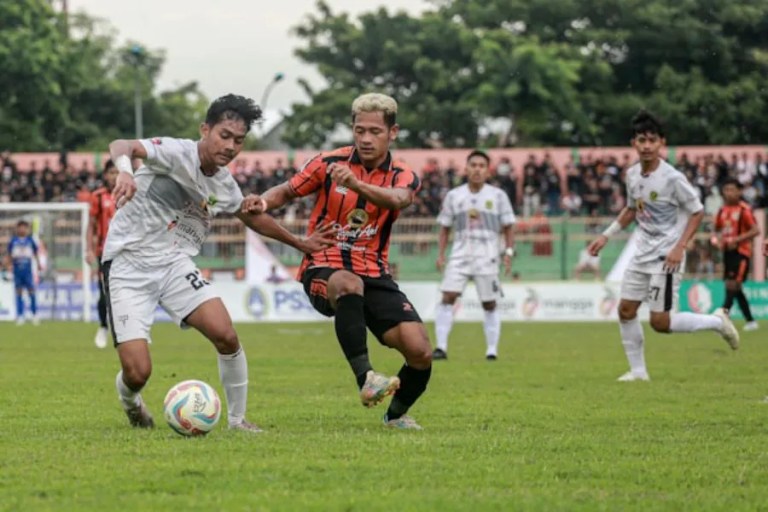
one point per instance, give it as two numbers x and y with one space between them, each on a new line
192 408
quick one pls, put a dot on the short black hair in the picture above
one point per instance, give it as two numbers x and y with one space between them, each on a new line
234 107
646 122
731 181
108 165
22 222
481 154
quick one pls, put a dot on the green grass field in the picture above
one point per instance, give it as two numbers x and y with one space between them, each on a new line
544 428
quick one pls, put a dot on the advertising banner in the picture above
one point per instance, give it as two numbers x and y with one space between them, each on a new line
706 296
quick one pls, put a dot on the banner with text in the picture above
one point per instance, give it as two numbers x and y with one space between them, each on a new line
287 302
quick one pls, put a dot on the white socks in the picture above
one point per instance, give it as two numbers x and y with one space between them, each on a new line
233 370
128 397
443 324
692 322
632 339
492 328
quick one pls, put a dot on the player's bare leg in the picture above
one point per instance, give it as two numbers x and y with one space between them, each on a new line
411 340
345 292
492 329
633 340
212 319
136 367
667 322
444 323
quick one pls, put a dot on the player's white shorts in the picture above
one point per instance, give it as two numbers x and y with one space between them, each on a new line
488 286
134 293
660 291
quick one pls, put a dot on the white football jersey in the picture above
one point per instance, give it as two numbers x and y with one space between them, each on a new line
663 201
477 220
170 215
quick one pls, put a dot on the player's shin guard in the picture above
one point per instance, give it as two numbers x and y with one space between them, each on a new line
128 397
632 338
102 306
233 371
443 324
19 306
413 383
33 302
729 296
744 305
492 328
351 333
692 322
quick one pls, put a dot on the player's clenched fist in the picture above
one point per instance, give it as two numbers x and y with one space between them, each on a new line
597 245
254 203
342 175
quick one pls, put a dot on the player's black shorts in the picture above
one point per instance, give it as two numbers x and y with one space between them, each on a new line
736 266
385 305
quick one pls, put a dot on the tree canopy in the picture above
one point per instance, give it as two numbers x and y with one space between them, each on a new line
557 72
67 85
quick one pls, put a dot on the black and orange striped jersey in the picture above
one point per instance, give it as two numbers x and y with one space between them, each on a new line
102 211
363 228
736 220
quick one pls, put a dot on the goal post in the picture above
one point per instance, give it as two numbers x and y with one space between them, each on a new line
61 230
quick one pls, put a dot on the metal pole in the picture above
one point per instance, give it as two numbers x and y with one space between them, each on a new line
137 110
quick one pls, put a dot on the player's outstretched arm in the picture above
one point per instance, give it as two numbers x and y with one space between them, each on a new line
624 219
323 237
273 198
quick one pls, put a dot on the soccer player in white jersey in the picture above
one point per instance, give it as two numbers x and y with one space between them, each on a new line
164 216
478 214
668 212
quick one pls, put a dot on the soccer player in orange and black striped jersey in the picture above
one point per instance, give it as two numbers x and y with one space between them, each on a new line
360 192
736 226
102 211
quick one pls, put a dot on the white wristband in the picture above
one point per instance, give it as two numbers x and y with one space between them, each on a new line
611 230
123 164
509 251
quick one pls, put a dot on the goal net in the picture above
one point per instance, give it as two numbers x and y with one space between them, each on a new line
65 290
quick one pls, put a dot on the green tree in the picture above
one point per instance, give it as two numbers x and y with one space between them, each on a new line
69 86
32 103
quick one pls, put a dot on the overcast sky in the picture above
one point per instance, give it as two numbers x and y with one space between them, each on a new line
233 46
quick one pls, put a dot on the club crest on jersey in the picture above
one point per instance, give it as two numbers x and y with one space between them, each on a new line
654 195
357 218
489 205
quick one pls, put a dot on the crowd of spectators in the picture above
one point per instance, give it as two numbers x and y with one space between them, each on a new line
586 187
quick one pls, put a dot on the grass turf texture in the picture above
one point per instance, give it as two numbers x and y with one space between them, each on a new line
546 427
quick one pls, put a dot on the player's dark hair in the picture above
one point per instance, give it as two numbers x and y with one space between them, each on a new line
108 165
731 181
646 122
233 107
481 154
22 222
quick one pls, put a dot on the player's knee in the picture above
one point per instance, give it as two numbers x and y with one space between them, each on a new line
450 298
226 341
346 284
626 312
660 323
489 306
732 285
136 374
420 359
